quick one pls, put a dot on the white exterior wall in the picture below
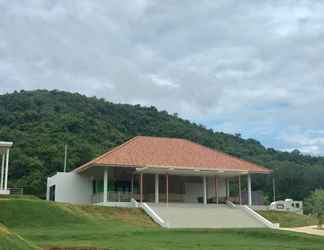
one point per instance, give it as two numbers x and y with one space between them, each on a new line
70 187
221 186
193 190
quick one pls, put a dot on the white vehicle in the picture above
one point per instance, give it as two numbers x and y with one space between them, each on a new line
288 205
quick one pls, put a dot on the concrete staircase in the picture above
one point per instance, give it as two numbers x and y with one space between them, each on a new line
177 215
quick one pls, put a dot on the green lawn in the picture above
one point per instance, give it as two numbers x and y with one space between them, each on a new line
287 219
53 224
11 241
14 196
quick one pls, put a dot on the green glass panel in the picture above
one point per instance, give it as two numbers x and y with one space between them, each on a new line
136 188
100 186
111 186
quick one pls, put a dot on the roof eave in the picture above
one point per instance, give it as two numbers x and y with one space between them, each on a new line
219 170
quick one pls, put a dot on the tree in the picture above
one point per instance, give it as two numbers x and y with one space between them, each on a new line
315 204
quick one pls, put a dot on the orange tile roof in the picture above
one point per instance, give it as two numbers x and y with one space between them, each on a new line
160 152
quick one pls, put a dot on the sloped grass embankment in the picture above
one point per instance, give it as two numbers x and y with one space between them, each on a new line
287 219
62 225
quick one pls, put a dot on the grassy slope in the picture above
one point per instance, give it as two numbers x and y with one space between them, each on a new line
29 197
11 241
52 224
287 219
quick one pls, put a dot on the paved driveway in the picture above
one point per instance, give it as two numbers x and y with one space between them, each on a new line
308 230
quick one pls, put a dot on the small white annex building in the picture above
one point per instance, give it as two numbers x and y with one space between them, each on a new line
4 153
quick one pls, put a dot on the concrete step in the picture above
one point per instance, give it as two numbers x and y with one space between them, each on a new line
179 215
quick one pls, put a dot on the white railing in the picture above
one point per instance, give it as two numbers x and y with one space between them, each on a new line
16 191
97 198
135 203
172 197
260 218
119 196
230 204
113 196
154 215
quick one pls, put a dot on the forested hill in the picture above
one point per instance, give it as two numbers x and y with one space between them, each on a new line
41 122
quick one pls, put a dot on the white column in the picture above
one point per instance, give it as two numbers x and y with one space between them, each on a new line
2 171
132 184
227 188
249 190
205 190
240 190
7 168
167 188
141 187
105 193
216 189
156 188
274 188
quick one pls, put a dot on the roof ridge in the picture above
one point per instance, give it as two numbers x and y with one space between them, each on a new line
160 137
107 153
226 154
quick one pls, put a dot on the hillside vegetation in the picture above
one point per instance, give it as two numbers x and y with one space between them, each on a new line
41 122
62 225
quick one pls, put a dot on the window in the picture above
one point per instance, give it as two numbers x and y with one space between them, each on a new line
97 186
94 187
280 206
123 186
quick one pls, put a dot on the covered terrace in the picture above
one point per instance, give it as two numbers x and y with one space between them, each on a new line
154 169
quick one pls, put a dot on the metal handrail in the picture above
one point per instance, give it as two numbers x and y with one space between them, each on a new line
113 196
16 191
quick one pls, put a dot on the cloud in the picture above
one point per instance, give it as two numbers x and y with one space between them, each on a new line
254 67
163 82
308 141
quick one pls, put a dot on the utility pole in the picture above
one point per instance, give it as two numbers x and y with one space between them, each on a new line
274 188
65 157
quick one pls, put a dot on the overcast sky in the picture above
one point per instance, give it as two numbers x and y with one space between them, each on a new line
251 67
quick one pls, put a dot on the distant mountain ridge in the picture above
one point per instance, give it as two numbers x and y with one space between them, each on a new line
40 122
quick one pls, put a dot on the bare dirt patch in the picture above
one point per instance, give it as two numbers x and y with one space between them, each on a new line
314 230
4 230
